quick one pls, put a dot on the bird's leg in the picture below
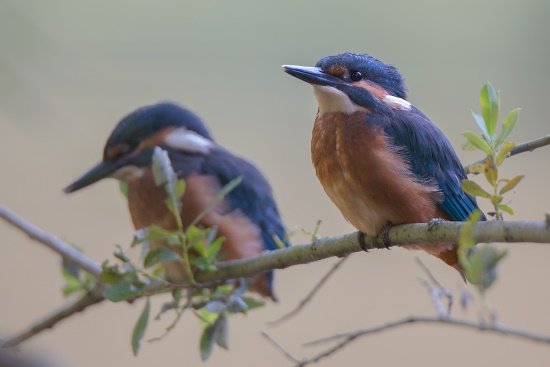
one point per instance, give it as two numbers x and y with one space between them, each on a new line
361 240
386 235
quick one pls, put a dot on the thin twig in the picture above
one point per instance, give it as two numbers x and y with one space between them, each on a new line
437 292
311 294
349 337
527 146
65 250
281 349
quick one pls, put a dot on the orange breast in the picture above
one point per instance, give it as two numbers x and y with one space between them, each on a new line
365 176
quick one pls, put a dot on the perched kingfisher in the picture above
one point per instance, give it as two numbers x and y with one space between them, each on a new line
247 217
379 159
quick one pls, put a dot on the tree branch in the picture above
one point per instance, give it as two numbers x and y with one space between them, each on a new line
349 337
340 246
65 250
322 248
527 146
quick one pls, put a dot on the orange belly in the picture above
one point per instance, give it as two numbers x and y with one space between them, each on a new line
366 177
370 181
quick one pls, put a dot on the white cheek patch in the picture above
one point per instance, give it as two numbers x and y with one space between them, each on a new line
396 102
333 100
128 173
189 141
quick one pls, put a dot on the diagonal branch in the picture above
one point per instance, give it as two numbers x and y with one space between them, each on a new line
527 146
65 250
349 337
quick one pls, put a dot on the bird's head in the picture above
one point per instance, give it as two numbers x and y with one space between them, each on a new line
350 82
130 147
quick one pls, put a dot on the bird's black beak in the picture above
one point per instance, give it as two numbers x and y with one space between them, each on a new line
313 75
102 170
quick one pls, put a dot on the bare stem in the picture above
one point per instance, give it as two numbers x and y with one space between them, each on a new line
349 337
311 294
65 250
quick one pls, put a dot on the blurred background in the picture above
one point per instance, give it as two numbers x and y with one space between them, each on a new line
69 70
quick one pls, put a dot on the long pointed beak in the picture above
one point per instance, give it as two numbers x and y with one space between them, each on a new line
100 171
312 75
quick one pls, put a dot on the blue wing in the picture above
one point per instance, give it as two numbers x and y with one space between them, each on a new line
431 157
253 196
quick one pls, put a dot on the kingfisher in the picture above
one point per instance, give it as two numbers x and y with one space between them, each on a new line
379 159
247 217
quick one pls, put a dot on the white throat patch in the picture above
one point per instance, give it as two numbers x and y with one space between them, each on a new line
189 141
128 173
396 102
331 100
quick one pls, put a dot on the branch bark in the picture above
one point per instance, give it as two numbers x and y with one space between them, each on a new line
322 248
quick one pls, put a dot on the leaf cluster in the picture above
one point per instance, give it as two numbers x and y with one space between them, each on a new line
496 148
194 248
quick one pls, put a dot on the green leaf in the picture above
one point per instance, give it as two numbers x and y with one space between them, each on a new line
490 103
466 239
215 248
180 188
503 152
478 142
511 184
121 256
467 146
160 254
140 327
507 209
73 283
207 341
482 269
155 232
474 189
508 125
477 168
481 124
121 291
222 331
123 188
490 170
252 302
495 200
110 274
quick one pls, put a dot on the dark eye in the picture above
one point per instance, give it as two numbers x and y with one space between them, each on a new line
355 75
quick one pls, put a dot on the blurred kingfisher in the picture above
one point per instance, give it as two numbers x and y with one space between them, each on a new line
379 159
247 217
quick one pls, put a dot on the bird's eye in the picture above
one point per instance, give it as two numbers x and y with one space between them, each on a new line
356 76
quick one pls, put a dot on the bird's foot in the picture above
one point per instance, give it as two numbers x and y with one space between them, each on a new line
386 235
361 240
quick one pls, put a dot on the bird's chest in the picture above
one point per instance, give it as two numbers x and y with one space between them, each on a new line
361 172
147 201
